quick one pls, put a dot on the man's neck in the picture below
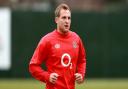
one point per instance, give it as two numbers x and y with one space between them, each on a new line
63 33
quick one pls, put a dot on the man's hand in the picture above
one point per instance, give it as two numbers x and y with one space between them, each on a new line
53 78
79 78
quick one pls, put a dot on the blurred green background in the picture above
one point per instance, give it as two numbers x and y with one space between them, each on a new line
104 36
102 25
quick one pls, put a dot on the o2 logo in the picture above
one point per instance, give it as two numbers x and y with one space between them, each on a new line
69 60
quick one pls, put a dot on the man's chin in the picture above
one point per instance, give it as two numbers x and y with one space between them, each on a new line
65 31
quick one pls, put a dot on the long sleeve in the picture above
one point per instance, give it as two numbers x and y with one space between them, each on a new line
39 56
81 65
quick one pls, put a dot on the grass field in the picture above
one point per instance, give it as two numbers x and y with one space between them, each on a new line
88 84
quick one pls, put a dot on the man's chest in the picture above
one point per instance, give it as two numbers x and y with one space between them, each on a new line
63 53
64 46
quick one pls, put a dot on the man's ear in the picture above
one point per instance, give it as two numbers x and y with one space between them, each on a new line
56 19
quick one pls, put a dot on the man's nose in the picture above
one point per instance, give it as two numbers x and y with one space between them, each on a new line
67 20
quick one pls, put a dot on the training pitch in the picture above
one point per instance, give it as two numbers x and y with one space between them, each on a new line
88 84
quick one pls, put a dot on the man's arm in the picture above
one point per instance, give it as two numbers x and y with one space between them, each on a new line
37 59
81 65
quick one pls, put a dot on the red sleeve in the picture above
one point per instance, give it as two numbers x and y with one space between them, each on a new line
81 66
38 57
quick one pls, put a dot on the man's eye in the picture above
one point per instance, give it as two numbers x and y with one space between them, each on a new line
69 17
64 17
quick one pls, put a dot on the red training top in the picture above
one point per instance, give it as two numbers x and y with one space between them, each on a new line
62 54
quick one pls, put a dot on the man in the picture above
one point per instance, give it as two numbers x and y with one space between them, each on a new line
62 52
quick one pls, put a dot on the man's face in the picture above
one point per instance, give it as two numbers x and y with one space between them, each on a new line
63 21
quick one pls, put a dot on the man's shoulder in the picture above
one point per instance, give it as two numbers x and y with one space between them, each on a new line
74 34
48 36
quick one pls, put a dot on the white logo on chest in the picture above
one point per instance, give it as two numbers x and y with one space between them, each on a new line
69 60
75 45
57 46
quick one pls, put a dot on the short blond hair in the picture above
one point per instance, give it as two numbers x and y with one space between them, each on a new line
61 6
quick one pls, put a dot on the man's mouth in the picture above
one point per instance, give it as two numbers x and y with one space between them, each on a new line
66 26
